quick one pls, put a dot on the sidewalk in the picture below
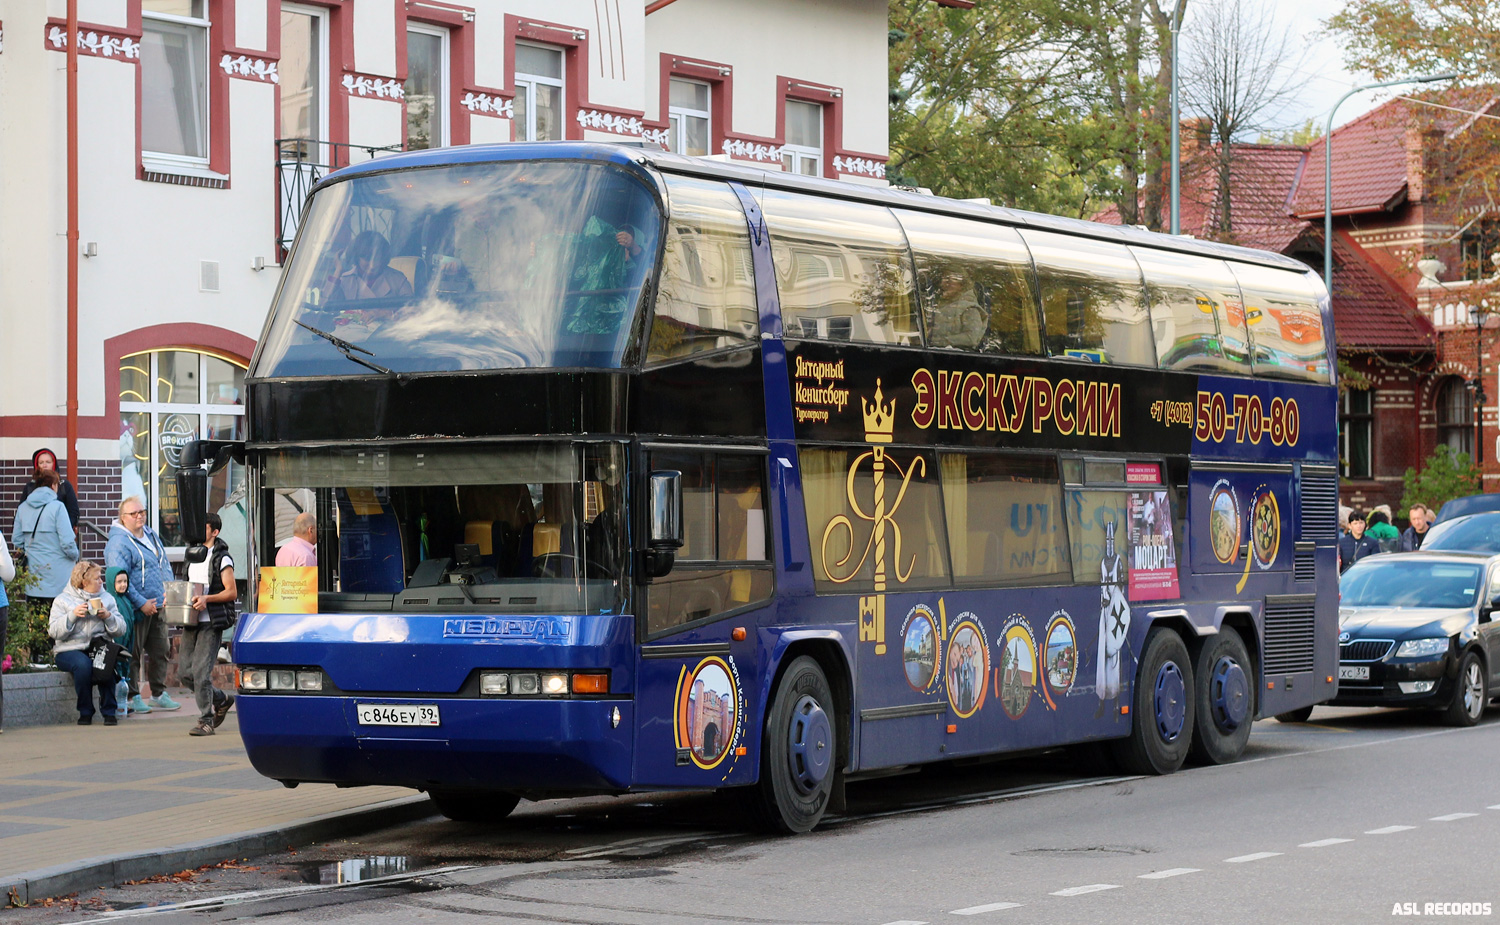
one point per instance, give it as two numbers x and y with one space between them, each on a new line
84 806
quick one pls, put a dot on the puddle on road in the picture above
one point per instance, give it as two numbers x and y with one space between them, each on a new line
608 873
355 870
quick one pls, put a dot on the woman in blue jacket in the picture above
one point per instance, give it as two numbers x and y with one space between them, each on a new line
44 531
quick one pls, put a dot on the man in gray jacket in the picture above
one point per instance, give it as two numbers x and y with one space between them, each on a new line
134 547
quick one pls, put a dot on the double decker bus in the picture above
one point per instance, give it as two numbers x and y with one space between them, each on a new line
633 471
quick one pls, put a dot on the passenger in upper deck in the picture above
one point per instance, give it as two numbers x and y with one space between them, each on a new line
369 274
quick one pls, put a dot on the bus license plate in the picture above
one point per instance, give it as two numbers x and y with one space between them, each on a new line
1354 672
385 714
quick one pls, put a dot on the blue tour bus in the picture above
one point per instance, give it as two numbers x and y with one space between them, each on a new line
634 471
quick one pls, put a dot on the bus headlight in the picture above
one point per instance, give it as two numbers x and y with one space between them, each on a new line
525 684
555 684
282 679
494 682
253 679
309 680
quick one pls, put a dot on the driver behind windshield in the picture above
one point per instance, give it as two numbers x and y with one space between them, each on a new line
362 271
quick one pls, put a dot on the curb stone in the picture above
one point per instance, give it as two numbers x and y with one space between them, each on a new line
113 870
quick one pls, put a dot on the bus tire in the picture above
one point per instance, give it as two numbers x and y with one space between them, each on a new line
799 754
1225 693
1164 708
473 805
1298 715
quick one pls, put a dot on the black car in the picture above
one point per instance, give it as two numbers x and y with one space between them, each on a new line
1470 532
1469 504
1420 629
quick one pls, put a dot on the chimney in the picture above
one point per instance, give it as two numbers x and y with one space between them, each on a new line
1424 149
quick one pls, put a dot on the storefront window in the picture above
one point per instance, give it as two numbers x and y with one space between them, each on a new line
169 398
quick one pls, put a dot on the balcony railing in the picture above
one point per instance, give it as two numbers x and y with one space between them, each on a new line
300 164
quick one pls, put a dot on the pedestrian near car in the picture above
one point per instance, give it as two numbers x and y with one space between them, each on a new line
199 650
80 613
135 548
43 531
1356 544
1420 517
44 460
7 573
1378 527
302 548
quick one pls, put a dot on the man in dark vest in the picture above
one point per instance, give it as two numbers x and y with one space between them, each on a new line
199 652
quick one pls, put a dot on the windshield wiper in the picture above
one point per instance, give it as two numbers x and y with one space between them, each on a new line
347 349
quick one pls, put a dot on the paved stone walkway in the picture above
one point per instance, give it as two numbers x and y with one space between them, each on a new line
71 793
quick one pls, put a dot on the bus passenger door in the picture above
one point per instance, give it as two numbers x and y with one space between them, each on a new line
694 676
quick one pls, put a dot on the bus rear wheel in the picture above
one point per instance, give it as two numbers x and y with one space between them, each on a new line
1225 698
474 805
1164 707
799 755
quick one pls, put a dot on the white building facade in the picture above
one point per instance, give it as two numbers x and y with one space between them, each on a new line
201 124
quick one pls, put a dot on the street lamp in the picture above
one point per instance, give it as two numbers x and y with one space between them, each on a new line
1479 314
1328 165
1176 128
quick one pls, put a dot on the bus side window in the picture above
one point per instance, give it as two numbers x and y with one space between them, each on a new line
840 521
1282 311
706 296
843 270
1098 532
1093 302
974 279
1005 520
1192 299
724 563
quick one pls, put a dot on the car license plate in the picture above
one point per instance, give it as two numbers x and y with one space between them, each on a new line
1354 672
386 714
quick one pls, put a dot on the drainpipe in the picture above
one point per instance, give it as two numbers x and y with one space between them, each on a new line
73 241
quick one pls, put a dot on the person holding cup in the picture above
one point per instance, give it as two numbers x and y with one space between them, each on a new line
81 612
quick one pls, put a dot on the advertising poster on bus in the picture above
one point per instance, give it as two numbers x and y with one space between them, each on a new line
1153 554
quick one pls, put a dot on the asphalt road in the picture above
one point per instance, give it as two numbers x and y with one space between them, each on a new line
1345 819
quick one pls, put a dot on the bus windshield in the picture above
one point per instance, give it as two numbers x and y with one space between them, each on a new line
465 267
517 528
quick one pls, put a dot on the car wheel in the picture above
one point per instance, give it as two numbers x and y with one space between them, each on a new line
1469 694
473 805
1164 706
800 753
1298 715
1225 694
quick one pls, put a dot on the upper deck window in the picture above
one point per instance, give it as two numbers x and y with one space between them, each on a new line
476 266
1197 316
843 270
1286 321
1093 302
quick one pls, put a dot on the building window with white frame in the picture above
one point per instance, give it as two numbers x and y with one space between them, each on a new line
174 81
426 86
303 72
688 117
539 93
803 151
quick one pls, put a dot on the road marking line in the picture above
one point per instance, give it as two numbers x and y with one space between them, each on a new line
1496 806
1091 888
1452 816
1324 842
1257 856
987 907
1174 872
1391 829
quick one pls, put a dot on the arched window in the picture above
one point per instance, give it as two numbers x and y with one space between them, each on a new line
169 398
1455 415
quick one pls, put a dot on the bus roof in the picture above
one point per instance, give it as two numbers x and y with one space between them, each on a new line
630 155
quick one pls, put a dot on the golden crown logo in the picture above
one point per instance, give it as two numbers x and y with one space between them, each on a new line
880 419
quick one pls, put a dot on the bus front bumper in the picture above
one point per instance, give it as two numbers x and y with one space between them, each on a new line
532 746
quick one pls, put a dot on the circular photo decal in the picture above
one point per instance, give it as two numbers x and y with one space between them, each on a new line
707 712
919 649
1265 528
967 667
1224 522
1017 669
1061 653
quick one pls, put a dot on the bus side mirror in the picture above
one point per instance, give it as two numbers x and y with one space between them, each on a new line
663 523
192 501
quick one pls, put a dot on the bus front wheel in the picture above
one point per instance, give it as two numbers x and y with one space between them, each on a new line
1225 695
800 751
1164 707
473 806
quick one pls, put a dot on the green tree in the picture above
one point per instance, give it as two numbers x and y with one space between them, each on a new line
27 640
1444 475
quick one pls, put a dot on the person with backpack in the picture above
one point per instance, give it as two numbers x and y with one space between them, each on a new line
199 649
44 538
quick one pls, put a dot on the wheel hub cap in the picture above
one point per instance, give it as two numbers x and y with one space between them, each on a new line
1229 694
1170 700
809 744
